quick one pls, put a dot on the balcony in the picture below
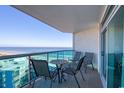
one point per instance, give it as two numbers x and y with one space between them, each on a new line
17 71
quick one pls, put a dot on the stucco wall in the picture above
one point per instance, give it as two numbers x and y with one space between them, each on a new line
88 41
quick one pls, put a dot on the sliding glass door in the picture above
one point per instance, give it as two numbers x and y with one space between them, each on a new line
113 50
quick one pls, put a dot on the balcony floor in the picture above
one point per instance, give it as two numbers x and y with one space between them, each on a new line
92 80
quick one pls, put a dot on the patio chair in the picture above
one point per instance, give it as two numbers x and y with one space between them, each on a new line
74 61
41 68
88 60
73 71
76 57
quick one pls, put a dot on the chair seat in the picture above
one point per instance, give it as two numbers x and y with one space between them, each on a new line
70 64
69 70
74 60
73 65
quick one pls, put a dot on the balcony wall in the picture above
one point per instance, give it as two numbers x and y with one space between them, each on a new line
88 41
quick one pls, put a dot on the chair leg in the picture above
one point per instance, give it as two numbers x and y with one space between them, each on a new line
45 78
92 66
33 84
51 83
55 74
54 79
82 76
62 78
76 81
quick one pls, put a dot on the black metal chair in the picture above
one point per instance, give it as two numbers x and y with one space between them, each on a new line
73 71
41 68
88 60
74 61
76 57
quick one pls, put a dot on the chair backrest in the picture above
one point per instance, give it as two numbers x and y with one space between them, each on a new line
88 58
80 63
77 56
40 67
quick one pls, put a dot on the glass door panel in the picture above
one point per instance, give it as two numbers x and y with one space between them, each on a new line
115 49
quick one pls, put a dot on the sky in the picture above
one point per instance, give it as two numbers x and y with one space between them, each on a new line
18 29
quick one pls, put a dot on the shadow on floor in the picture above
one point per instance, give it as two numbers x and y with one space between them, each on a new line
92 80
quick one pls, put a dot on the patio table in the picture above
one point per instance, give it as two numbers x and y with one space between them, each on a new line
59 63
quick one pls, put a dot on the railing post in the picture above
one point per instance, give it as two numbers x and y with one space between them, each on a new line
30 78
57 55
47 57
63 54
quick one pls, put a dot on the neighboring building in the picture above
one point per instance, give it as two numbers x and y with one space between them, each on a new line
13 74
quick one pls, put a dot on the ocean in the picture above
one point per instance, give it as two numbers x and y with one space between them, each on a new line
22 50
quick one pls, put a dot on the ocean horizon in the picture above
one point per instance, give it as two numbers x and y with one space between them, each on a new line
22 50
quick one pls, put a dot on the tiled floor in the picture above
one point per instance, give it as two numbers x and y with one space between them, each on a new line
92 80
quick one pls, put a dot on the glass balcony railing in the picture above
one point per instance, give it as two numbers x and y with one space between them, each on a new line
17 71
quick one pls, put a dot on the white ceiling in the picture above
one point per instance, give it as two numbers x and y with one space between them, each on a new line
66 18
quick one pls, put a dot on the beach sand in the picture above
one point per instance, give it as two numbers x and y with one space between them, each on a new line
2 53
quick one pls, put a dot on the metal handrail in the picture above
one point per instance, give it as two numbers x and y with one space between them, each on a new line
29 54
